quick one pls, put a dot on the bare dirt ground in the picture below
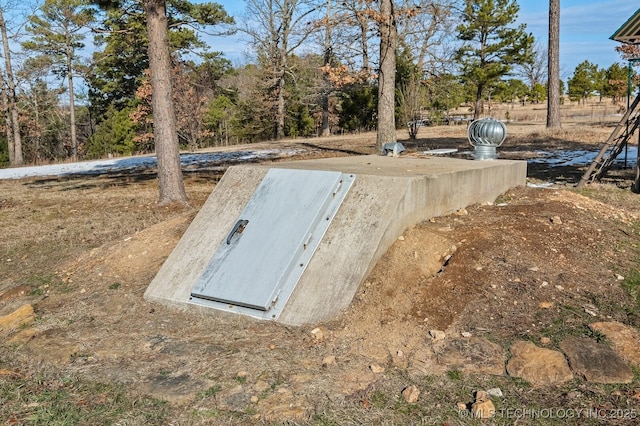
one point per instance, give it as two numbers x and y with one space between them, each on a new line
539 262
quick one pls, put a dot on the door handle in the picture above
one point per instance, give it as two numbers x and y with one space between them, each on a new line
237 229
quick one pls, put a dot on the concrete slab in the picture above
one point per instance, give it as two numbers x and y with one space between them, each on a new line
388 196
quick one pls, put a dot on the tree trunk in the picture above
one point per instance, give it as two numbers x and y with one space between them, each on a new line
170 179
280 105
553 78
386 77
326 90
72 111
477 109
15 151
7 121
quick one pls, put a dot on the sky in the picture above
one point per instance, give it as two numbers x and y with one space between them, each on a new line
585 28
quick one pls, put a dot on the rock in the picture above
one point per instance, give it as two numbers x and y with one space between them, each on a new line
544 340
590 309
624 340
596 362
411 394
318 335
538 366
495 392
466 334
437 334
545 305
328 360
22 316
177 389
377 369
474 355
283 407
556 220
483 407
399 359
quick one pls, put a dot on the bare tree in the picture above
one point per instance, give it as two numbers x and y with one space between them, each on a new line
357 22
278 28
553 80
9 90
427 28
536 71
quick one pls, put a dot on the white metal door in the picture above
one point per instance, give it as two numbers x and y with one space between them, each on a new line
267 250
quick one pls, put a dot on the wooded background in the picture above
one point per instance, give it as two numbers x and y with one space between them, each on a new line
314 70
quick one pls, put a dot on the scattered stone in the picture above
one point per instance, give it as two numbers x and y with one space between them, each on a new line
254 399
544 340
556 220
411 394
544 284
241 375
466 334
538 366
400 360
624 340
559 288
328 360
462 212
24 315
461 406
283 407
437 334
377 369
483 407
495 392
596 362
545 305
401 238
318 335
619 277
591 310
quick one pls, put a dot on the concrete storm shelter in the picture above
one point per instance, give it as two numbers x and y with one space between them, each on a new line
292 242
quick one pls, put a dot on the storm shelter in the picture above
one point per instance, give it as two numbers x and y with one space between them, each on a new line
292 242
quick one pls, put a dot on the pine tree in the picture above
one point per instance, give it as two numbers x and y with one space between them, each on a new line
58 32
490 46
